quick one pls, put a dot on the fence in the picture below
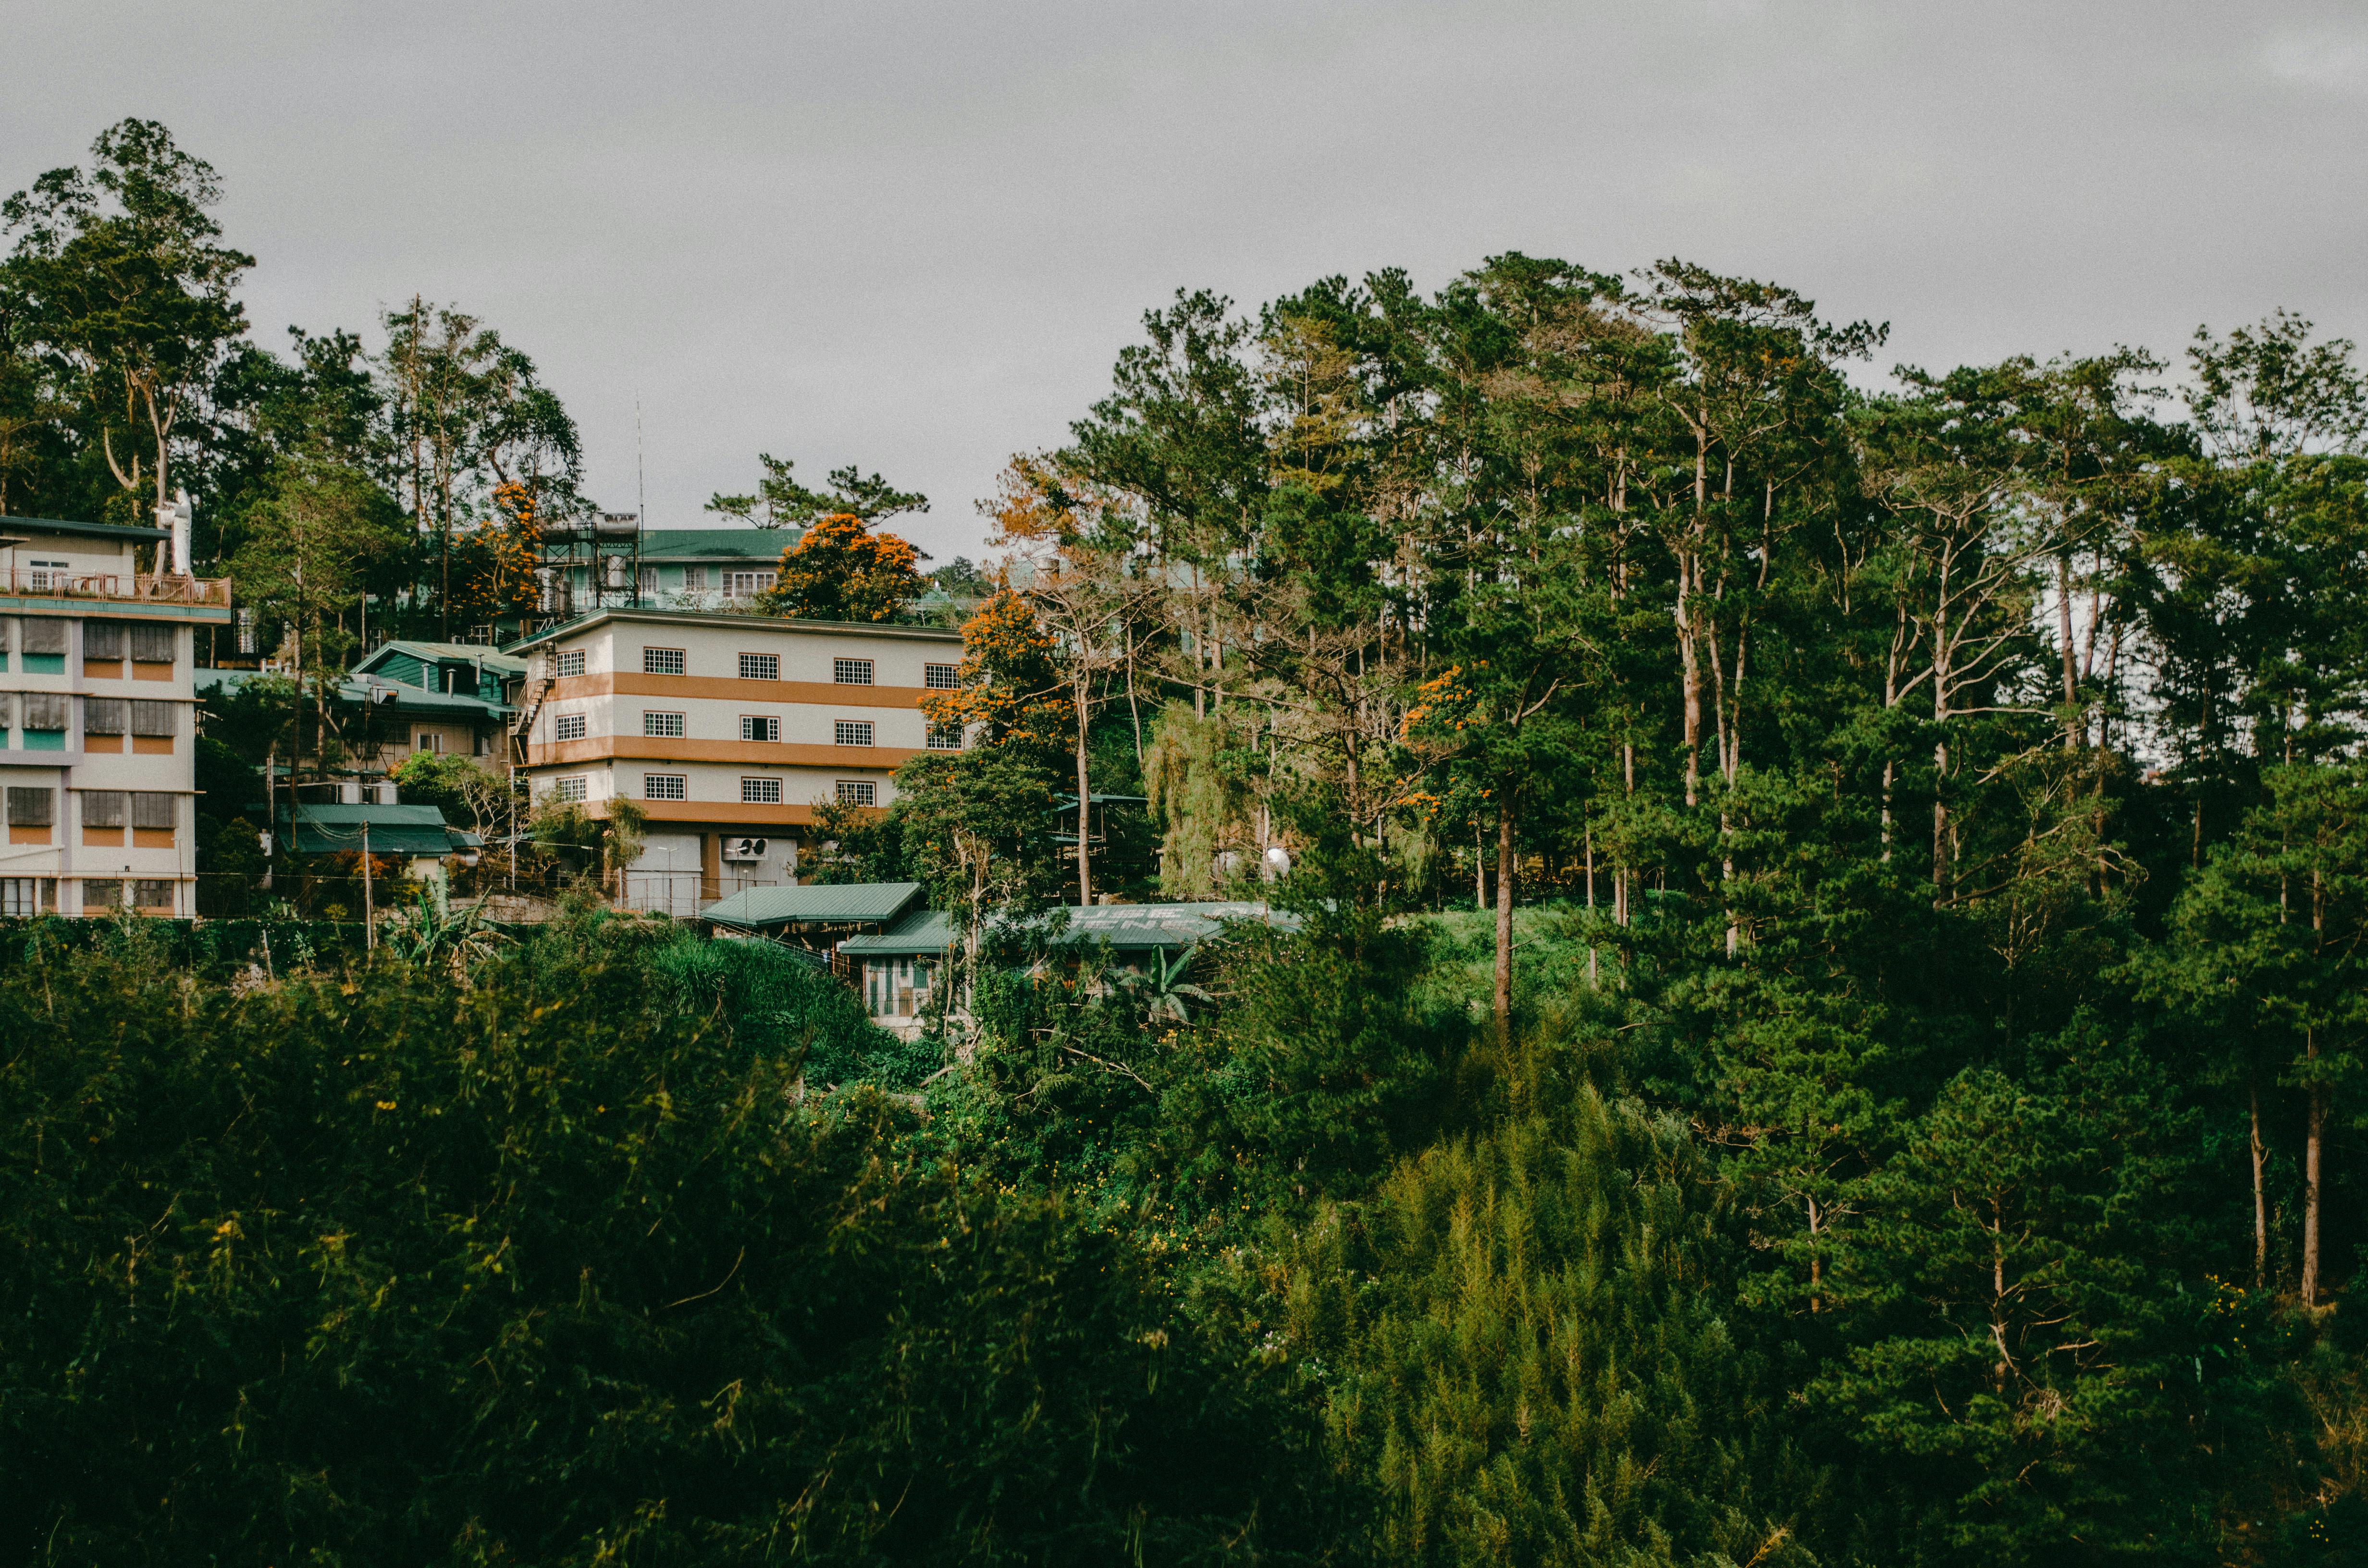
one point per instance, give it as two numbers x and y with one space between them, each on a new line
150 587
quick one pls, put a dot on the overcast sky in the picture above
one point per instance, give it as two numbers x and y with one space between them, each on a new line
914 236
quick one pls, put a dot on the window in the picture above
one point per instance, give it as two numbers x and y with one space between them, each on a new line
155 895
666 724
31 808
154 717
662 660
665 787
760 667
852 732
571 662
153 811
430 741
50 574
568 727
747 584
858 792
568 789
941 677
104 715
851 672
945 737
647 584
761 792
153 644
42 634
694 579
28 896
45 711
103 808
102 639
247 630
100 896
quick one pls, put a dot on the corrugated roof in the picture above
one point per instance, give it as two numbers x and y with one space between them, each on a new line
393 830
1123 925
408 698
923 931
846 903
716 544
121 533
494 659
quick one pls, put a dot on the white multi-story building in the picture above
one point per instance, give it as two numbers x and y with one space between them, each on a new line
727 731
97 776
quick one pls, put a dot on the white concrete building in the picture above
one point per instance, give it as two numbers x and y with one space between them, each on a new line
727 731
96 713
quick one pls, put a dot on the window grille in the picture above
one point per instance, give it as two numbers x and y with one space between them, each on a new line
154 644
761 792
941 677
568 727
568 789
694 579
246 631
760 667
858 792
101 895
102 639
42 634
760 727
851 672
945 737
154 811
31 808
668 725
747 584
852 732
104 715
647 583
152 895
46 709
102 808
662 660
430 741
154 717
665 787
571 662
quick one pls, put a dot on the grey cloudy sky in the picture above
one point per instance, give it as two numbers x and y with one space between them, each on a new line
915 236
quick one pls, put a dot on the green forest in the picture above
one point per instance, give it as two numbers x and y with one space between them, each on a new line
1812 1026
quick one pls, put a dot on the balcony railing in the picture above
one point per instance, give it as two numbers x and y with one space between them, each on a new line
150 588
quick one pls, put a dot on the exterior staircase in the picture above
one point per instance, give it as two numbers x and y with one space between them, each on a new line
540 670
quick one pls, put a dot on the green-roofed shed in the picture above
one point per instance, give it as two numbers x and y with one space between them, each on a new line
872 905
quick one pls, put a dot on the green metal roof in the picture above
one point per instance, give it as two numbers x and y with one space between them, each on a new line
120 532
846 903
923 931
449 706
494 661
393 830
1125 926
717 544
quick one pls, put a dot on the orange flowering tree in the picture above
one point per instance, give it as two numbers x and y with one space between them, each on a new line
494 563
841 569
1012 689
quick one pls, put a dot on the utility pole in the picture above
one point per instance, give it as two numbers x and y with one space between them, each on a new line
369 910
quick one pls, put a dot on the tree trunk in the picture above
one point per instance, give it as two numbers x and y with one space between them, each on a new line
1505 916
2260 1196
1085 809
2311 1157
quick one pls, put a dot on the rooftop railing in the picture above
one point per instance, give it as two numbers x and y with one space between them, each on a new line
147 587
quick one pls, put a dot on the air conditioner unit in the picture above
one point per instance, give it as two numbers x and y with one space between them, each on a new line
744 848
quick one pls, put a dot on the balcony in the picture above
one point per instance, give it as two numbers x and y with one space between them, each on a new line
144 588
